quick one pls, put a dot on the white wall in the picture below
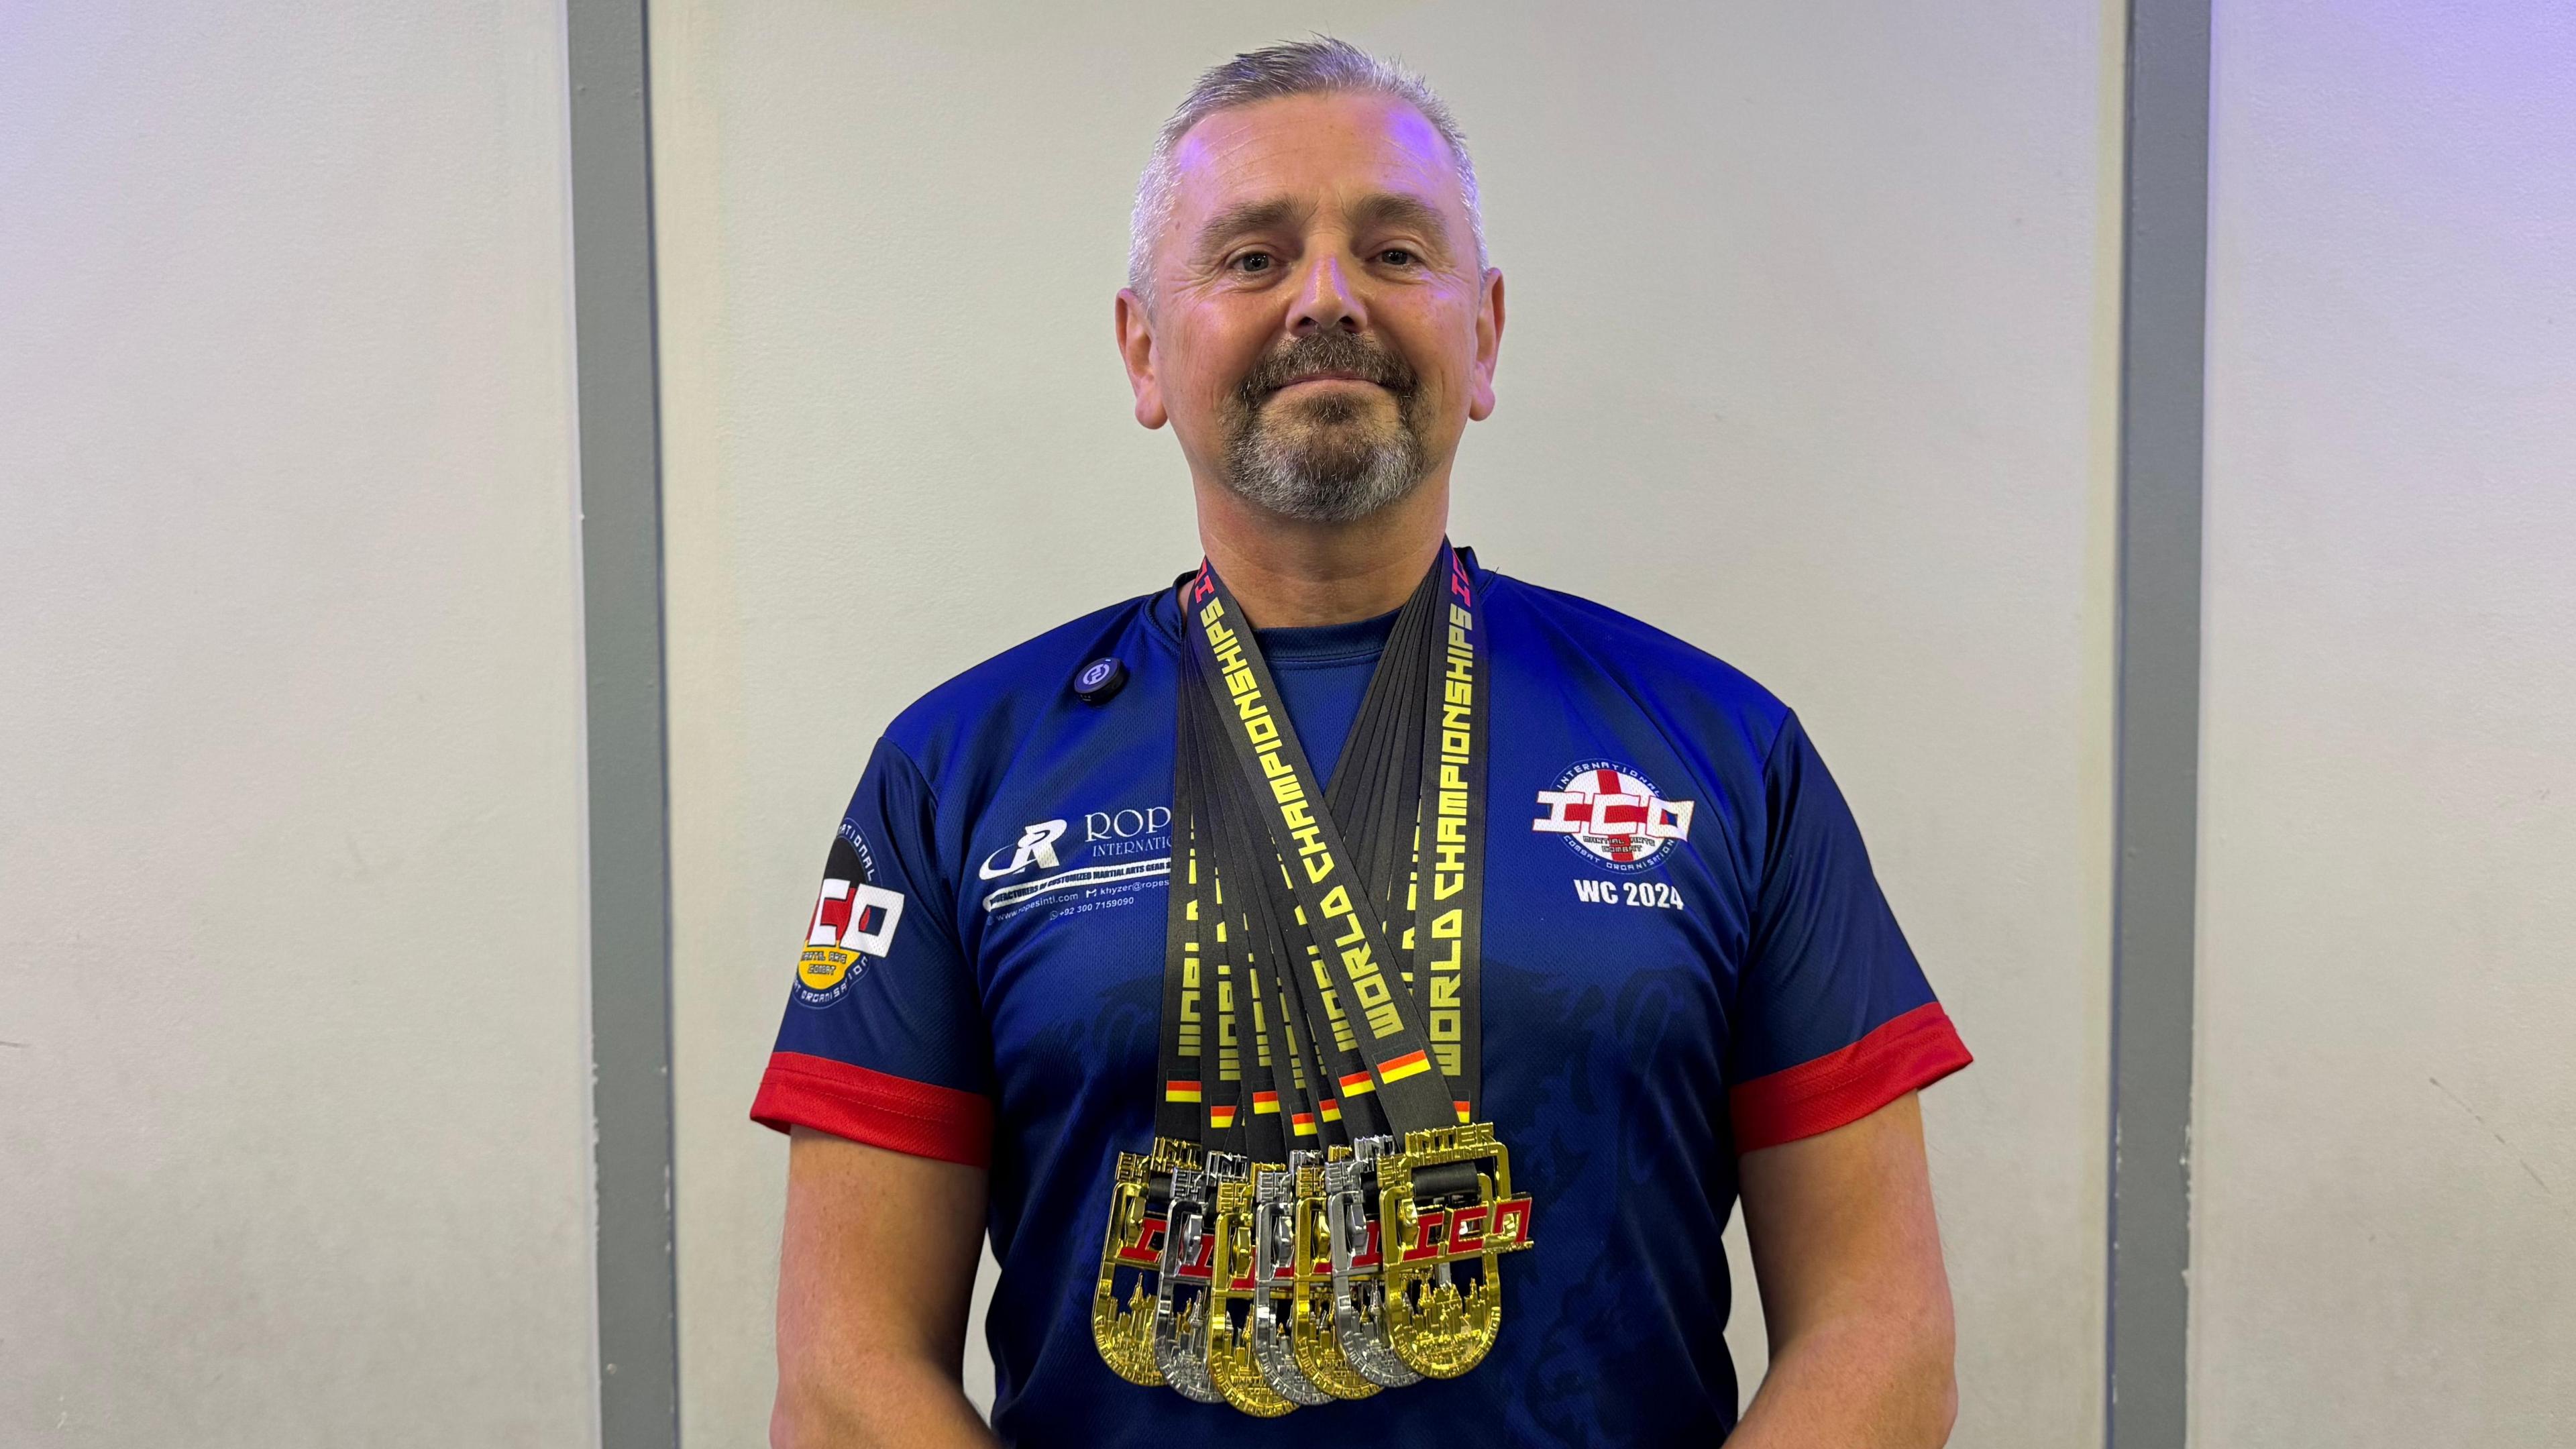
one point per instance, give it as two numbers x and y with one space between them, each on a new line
1812 305
2385 1227
293 1088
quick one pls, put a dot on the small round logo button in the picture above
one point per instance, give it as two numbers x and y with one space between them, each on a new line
1098 680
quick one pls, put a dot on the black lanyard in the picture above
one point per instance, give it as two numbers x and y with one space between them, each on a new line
1355 882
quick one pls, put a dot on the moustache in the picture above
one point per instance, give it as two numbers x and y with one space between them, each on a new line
1323 352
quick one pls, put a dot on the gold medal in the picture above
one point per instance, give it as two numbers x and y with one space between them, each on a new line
1124 1331
1438 1326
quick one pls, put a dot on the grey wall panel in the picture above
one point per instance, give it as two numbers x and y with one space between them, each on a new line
621 538
2165 227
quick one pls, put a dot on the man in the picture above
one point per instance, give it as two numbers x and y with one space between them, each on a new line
1697 990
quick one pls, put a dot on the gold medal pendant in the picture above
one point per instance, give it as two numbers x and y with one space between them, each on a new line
1233 1287
1310 1301
1437 1326
1133 1247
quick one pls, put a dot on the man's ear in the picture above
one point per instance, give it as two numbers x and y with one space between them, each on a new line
1136 350
1489 347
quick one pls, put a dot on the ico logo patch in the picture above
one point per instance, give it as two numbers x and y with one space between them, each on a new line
1611 815
852 920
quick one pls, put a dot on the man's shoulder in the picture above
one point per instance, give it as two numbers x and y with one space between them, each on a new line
1657 670
998 705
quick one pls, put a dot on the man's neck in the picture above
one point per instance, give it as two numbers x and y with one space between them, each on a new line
1290 572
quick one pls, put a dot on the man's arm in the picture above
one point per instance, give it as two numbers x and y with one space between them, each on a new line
874 1275
1857 1304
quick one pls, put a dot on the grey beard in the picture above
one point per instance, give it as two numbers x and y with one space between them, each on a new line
1298 474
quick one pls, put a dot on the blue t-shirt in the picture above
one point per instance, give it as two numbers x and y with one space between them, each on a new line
1686 958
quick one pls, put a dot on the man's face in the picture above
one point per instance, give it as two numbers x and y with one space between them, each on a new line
1320 333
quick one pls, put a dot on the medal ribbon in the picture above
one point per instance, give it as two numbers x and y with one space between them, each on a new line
1366 1025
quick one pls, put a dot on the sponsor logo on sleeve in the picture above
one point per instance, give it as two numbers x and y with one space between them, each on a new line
852 921
1611 815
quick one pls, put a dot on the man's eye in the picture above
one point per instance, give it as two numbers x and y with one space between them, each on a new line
1254 262
1397 256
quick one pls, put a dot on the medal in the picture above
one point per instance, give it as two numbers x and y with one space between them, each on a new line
1274 1278
1140 1192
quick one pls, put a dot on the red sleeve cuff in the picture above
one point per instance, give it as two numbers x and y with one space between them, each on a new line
896 1113
1906 1054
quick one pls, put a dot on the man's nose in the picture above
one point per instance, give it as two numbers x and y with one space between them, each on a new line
1326 300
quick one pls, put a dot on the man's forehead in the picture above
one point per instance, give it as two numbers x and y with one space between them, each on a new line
1317 148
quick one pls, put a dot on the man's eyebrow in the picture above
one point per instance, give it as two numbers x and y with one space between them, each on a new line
1245 216
1392 208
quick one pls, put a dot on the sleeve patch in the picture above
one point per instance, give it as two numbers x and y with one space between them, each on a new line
896 1113
1905 1054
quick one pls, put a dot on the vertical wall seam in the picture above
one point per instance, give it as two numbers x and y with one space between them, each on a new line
617 388
2163 339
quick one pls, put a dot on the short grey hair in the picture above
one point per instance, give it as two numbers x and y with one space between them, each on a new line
1321 66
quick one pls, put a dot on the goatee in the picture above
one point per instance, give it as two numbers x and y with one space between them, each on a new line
1335 457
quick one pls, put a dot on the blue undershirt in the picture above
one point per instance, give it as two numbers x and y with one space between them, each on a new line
1323 673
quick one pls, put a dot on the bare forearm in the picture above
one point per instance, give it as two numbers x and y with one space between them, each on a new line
1848 1256
876 1266
904 1401
1855 1385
